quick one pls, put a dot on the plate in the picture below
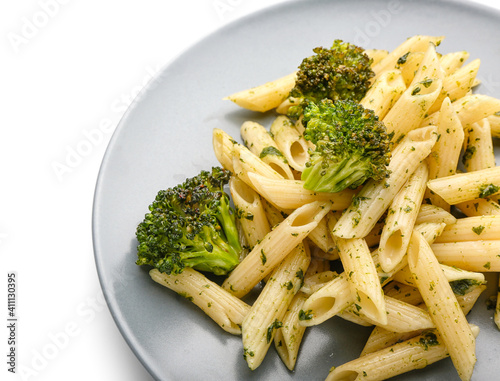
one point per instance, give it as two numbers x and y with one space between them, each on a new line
165 136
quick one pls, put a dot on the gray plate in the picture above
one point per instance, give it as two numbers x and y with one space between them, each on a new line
165 137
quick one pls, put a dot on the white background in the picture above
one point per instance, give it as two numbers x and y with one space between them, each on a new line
68 69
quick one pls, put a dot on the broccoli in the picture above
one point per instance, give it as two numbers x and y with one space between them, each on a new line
342 72
193 225
352 145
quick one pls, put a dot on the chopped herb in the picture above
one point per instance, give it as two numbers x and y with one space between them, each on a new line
275 325
487 265
416 90
478 229
403 58
263 257
426 83
305 315
462 286
428 339
469 152
486 190
270 150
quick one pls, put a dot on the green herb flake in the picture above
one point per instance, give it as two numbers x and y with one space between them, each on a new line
274 325
403 58
428 339
270 150
478 229
263 257
305 315
486 190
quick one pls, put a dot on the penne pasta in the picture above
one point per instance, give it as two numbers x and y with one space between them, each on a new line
472 229
442 305
384 93
290 142
274 247
265 97
432 213
363 279
415 353
289 336
457 84
479 147
469 255
467 186
453 61
291 194
479 207
260 143
445 154
413 44
225 309
411 108
401 218
249 211
267 312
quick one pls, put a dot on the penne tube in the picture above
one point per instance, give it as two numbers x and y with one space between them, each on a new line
452 274
472 108
290 142
411 108
457 84
225 309
363 279
480 256
250 211
261 144
223 145
265 97
413 44
267 312
479 207
445 154
384 93
382 338
472 229
450 62
479 147
313 282
401 218
291 194
403 292
274 247
375 197
432 213
430 230
327 301
447 315
401 316
409 64
289 337
322 238
416 353
467 186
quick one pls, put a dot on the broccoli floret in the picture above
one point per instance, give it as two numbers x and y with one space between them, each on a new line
352 145
342 72
193 225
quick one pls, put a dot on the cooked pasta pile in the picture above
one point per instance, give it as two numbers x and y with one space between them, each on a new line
411 268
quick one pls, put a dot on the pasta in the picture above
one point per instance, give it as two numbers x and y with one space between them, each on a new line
449 318
392 253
